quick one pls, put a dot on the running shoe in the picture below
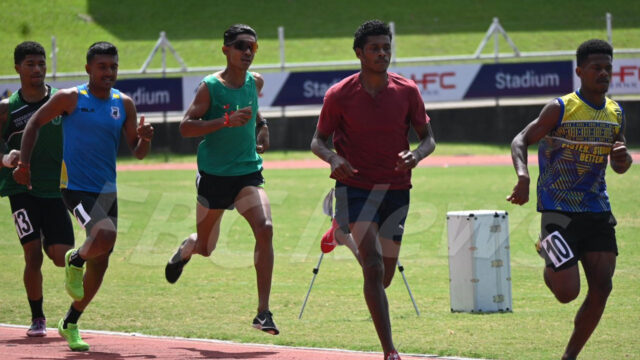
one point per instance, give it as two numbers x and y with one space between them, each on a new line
392 356
38 328
72 335
264 321
73 276
328 242
174 267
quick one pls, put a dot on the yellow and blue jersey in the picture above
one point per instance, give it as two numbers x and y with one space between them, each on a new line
91 139
573 157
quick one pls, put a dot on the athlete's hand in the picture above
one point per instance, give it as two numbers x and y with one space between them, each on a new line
22 175
240 117
10 160
619 152
144 131
407 160
262 141
520 193
340 168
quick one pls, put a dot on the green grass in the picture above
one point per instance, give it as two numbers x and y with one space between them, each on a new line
442 149
424 28
216 296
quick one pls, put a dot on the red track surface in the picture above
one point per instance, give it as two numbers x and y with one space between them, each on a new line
433 161
14 344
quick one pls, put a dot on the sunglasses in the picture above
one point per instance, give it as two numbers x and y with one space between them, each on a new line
243 45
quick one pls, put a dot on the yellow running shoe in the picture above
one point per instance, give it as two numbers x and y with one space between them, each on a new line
72 335
73 276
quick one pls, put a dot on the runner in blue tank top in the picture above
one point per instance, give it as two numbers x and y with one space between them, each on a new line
576 135
94 116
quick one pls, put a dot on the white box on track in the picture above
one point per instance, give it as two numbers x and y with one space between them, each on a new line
479 263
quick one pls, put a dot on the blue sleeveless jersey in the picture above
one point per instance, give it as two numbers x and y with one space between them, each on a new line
573 157
91 139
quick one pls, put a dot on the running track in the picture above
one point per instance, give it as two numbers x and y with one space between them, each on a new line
14 345
431 161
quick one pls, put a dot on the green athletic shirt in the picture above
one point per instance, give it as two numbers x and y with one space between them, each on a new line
46 157
230 151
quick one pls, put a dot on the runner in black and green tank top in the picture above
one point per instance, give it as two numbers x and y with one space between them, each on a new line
40 217
47 154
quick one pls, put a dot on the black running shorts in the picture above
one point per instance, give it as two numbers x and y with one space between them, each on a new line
564 237
220 192
45 218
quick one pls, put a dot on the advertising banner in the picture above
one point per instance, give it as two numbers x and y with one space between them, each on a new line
153 95
440 83
522 79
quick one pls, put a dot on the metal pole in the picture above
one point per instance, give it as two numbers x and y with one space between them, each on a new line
609 34
315 273
392 27
496 47
54 57
406 283
281 41
165 122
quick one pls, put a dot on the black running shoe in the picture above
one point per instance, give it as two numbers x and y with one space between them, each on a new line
264 321
174 267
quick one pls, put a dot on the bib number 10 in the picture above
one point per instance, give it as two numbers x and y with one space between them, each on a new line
557 249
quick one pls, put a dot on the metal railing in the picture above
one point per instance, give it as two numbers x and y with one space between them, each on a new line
494 31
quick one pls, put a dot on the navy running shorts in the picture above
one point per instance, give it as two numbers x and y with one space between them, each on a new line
387 208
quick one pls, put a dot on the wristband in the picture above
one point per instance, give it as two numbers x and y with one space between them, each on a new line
261 123
227 120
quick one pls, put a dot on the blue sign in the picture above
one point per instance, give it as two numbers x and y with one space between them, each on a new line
153 95
522 79
308 88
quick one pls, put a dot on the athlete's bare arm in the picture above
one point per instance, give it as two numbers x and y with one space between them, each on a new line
62 102
10 159
531 134
138 136
407 160
192 125
620 158
262 139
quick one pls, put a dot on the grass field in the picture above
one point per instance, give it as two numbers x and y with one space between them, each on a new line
424 28
216 296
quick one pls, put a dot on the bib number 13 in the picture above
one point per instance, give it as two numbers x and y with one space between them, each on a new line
557 249
23 225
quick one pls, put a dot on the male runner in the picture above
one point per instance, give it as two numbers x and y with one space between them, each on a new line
576 135
93 117
225 112
39 214
369 115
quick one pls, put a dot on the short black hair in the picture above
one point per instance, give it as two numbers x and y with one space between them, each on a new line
101 48
369 28
27 48
593 46
234 30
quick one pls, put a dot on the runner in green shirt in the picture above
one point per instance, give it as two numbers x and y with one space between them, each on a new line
225 112
40 217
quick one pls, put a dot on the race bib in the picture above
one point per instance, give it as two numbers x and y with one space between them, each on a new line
81 215
557 249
